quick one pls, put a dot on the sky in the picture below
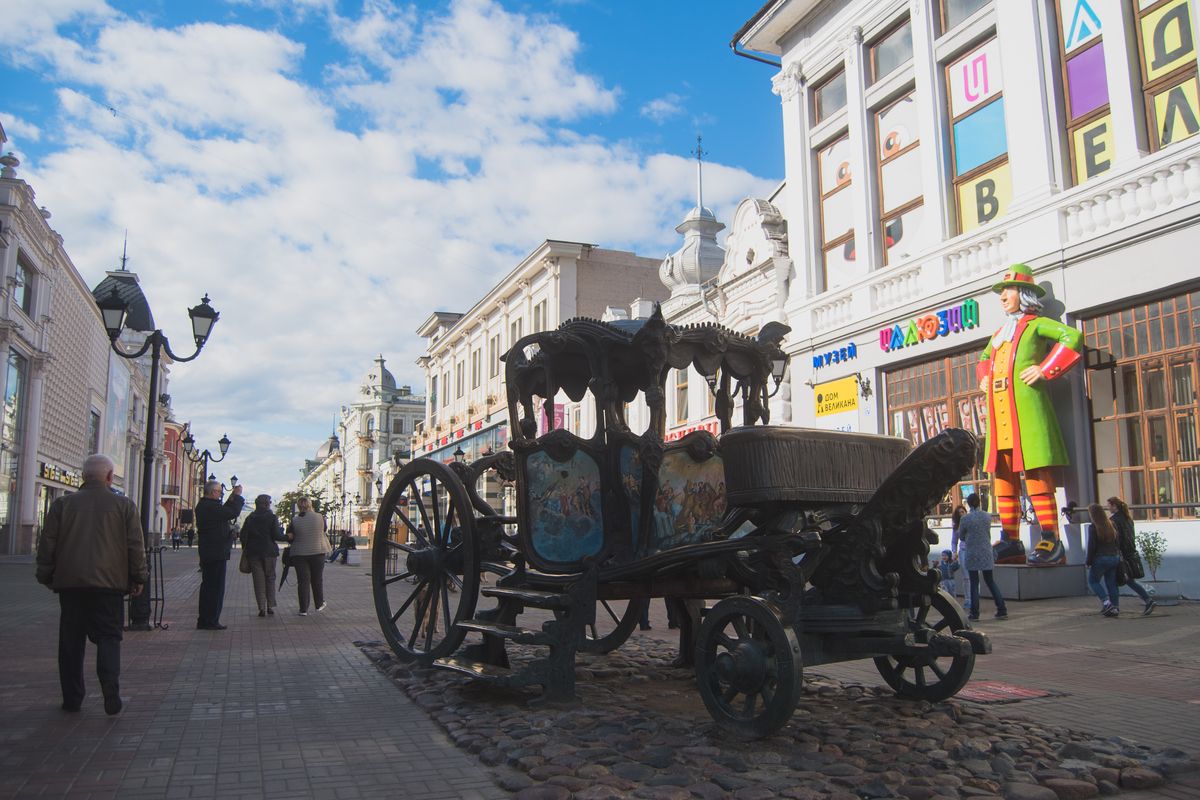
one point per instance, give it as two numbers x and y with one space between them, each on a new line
331 173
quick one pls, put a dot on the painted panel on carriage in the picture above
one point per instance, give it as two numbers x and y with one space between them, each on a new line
565 517
631 484
690 502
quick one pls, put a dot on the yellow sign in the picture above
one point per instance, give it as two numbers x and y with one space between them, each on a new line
837 396
1167 41
984 198
1093 148
1177 112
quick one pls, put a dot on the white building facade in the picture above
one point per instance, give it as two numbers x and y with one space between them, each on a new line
932 143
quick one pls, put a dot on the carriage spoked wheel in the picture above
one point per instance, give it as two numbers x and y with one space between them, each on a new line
615 621
425 561
748 666
926 676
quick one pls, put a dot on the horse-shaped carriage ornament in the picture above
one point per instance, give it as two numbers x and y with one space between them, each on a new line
784 547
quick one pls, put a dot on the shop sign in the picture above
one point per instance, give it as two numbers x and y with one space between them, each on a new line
835 356
59 475
713 427
930 326
835 397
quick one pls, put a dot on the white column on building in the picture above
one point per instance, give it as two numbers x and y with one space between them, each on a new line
788 83
1124 82
930 93
1031 131
862 186
27 505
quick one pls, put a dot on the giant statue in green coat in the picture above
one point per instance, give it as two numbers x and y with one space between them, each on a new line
1022 431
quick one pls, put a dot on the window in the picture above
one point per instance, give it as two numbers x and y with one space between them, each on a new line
494 356
891 50
1085 90
830 97
446 385
539 317
925 399
460 372
433 393
1144 369
898 153
681 395
23 287
982 183
514 332
370 425
837 211
398 425
476 372
1168 59
955 12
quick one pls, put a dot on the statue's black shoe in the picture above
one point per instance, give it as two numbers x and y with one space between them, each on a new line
1009 551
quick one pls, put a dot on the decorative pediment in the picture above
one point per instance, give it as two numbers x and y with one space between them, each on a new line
757 235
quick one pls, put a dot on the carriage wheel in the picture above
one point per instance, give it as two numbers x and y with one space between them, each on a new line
748 666
425 561
615 621
926 677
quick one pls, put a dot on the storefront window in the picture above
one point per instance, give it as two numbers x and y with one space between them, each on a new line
837 212
924 399
1144 370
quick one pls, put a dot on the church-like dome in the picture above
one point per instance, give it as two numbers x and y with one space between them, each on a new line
378 377
328 447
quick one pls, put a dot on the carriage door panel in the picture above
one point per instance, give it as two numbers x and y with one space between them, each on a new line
690 503
566 521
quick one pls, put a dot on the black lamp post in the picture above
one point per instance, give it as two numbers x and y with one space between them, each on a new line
204 457
114 310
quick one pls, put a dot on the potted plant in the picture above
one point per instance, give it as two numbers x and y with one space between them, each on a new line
1152 546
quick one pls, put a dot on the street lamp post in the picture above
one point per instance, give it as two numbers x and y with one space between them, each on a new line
114 310
204 457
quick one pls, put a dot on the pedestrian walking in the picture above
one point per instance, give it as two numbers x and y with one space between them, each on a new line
91 553
213 528
975 533
1127 544
260 532
191 535
176 538
310 547
960 511
1103 556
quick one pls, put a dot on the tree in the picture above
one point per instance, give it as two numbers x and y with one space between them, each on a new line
285 504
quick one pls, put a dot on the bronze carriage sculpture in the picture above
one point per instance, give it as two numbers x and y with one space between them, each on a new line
810 545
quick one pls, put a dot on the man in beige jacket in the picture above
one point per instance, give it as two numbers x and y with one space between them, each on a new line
91 553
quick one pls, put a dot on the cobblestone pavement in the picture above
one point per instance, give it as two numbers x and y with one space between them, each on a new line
288 706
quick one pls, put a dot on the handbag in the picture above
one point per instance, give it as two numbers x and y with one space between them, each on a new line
1122 572
244 563
286 556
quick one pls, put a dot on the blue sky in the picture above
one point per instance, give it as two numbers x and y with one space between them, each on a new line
333 172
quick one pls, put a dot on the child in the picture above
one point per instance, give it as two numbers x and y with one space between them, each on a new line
948 567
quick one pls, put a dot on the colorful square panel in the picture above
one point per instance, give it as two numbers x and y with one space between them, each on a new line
1167 41
979 137
565 516
1087 84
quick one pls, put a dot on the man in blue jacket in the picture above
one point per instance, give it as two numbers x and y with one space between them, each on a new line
215 533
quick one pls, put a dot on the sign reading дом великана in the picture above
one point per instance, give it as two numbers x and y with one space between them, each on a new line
930 326
835 397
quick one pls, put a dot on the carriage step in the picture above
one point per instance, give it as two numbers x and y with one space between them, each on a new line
475 669
509 632
528 597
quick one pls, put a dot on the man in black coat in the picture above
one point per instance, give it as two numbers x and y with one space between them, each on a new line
213 529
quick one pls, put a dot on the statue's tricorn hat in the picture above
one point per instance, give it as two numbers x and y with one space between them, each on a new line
1019 276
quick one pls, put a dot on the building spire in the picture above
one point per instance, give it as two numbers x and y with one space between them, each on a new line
125 251
699 153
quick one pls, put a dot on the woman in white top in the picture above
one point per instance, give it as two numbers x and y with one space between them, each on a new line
310 546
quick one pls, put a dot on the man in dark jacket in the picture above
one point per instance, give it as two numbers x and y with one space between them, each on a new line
91 553
260 532
213 529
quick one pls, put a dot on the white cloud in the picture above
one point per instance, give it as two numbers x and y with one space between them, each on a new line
320 245
663 108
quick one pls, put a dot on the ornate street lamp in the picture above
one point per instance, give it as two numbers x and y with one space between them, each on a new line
205 457
113 311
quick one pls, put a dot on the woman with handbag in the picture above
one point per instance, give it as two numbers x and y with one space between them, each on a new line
310 548
260 532
1127 543
1103 556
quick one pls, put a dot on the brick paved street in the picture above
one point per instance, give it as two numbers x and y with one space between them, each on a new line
288 707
